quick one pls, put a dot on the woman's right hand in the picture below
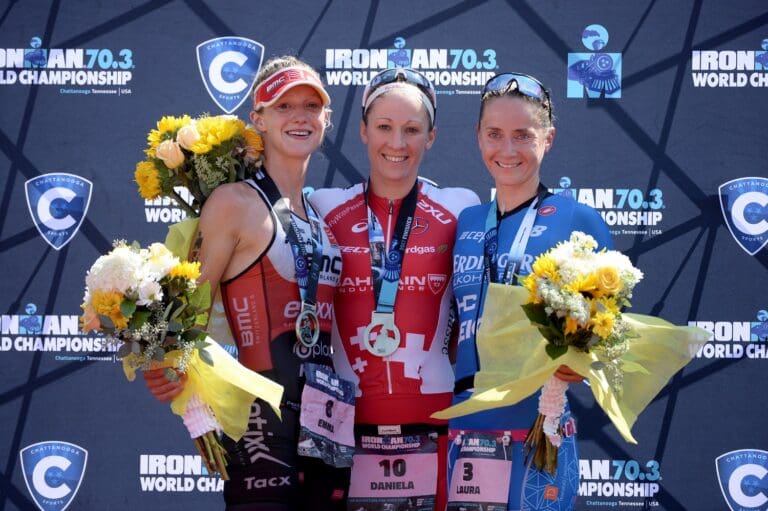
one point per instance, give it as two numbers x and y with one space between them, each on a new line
161 387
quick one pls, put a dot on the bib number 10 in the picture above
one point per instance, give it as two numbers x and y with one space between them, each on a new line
397 467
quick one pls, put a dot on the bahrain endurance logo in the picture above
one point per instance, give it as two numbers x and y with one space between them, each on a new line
741 475
744 202
228 66
58 203
53 472
599 74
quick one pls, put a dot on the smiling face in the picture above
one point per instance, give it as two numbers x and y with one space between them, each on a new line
294 126
513 141
397 135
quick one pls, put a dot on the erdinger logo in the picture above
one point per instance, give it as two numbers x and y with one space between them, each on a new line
741 474
58 203
599 74
53 472
744 202
229 66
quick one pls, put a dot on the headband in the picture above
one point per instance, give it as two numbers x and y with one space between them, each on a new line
277 84
391 86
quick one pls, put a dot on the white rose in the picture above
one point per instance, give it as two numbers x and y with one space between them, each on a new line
170 152
188 136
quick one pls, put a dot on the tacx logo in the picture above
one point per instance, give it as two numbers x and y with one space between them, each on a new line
58 203
228 66
598 74
744 202
740 474
53 472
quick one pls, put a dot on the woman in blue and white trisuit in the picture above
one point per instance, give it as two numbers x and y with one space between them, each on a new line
497 242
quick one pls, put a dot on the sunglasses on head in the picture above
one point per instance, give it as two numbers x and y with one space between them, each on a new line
401 74
526 85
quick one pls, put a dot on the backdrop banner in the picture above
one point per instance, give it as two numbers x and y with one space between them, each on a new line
660 112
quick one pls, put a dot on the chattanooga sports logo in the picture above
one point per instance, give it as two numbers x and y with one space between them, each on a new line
58 203
58 333
612 483
631 210
166 210
730 68
735 339
228 66
744 203
82 68
741 475
446 68
53 472
159 473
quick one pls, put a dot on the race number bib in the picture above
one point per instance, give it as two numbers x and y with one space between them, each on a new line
327 417
394 472
481 473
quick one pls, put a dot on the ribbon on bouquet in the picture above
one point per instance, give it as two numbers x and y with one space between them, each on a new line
514 363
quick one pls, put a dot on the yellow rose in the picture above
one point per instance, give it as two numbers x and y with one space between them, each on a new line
188 136
608 280
170 153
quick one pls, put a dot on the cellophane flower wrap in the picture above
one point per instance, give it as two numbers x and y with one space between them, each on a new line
148 301
568 312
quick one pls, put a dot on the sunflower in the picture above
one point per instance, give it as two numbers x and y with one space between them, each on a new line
148 179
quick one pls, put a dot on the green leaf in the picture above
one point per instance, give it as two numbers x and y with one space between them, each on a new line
554 351
178 311
127 308
193 335
135 347
200 298
170 374
201 319
139 318
536 313
135 246
124 350
597 365
205 357
158 354
106 322
173 327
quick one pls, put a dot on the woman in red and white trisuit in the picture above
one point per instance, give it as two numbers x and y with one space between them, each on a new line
393 320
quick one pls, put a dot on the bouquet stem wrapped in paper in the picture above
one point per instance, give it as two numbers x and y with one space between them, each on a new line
523 340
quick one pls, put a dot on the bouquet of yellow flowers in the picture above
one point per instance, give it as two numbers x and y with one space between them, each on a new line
569 312
198 154
148 301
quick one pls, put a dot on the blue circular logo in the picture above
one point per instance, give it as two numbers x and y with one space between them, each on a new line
594 37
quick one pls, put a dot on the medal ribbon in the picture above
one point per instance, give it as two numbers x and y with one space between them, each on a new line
385 288
307 274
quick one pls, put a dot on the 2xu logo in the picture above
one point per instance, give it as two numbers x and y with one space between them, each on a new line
744 202
228 66
741 474
53 472
58 203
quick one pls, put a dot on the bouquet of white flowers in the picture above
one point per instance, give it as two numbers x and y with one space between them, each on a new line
149 302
